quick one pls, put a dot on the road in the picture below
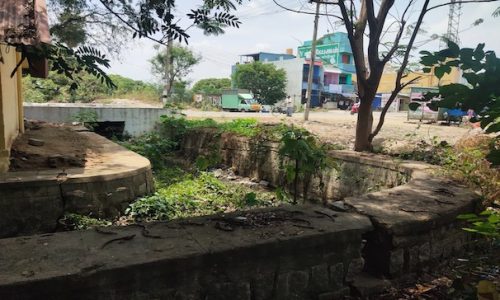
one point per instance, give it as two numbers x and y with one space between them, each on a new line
338 127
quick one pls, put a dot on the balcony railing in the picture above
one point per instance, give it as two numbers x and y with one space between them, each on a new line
339 88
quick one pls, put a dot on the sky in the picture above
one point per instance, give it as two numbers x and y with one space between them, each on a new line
267 27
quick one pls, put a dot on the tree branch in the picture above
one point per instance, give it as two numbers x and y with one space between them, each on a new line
395 46
306 12
400 73
117 15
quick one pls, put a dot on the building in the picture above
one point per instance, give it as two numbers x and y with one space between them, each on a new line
334 53
423 82
23 25
332 82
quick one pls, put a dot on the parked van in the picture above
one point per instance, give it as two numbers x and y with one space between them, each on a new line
237 100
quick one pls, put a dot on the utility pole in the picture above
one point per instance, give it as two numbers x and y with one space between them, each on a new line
311 66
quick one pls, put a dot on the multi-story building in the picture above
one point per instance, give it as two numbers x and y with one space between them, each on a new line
334 53
332 74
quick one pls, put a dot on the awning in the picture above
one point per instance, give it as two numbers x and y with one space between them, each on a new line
332 70
24 22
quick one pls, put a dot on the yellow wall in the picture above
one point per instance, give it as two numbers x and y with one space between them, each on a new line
387 82
11 120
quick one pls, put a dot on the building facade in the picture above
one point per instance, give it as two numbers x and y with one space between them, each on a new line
332 81
334 53
421 82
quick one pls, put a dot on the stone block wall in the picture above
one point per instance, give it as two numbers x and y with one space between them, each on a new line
33 201
185 261
259 159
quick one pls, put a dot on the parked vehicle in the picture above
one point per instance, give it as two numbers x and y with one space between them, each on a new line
422 113
237 100
454 115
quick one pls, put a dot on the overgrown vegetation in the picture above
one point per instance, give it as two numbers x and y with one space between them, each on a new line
302 157
466 162
79 222
195 195
186 189
487 223
58 87
191 191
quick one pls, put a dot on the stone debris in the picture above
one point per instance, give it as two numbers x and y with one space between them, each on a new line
36 142
264 183
338 206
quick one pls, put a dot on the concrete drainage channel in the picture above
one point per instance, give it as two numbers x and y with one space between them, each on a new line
404 225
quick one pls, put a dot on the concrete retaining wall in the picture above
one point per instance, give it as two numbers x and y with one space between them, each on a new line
413 211
138 120
32 202
272 256
352 174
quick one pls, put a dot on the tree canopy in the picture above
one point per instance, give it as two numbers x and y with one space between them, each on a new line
265 81
481 69
58 87
211 85
85 31
182 60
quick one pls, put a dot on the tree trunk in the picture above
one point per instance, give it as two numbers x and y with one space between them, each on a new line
364 124
168 69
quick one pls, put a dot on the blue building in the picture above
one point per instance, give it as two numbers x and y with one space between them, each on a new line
335 54
332 75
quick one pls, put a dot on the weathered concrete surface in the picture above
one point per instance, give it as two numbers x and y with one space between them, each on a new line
416 225
286 253
138 120
32 202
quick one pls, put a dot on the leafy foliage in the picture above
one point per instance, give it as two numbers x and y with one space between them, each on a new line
265 81
83 22
481 69
194 196
57 87
72 221
211 85
301 156
486 223
87 117
148 19
153 146
182 59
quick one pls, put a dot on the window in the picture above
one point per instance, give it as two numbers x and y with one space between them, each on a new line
346 59
342 79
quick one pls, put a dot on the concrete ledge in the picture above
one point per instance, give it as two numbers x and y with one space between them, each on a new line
286 253
32 202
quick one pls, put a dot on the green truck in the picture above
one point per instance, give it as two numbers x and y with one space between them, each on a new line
238 100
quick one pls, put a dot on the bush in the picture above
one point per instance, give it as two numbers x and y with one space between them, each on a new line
57 88
195 196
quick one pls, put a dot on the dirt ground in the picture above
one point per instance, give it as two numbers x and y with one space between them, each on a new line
338 127
62 148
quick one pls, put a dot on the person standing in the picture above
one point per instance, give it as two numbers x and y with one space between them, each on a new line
289 106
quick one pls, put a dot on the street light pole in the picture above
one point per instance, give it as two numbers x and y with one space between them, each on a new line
311 66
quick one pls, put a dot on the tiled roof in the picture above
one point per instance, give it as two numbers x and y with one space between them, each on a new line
24 22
